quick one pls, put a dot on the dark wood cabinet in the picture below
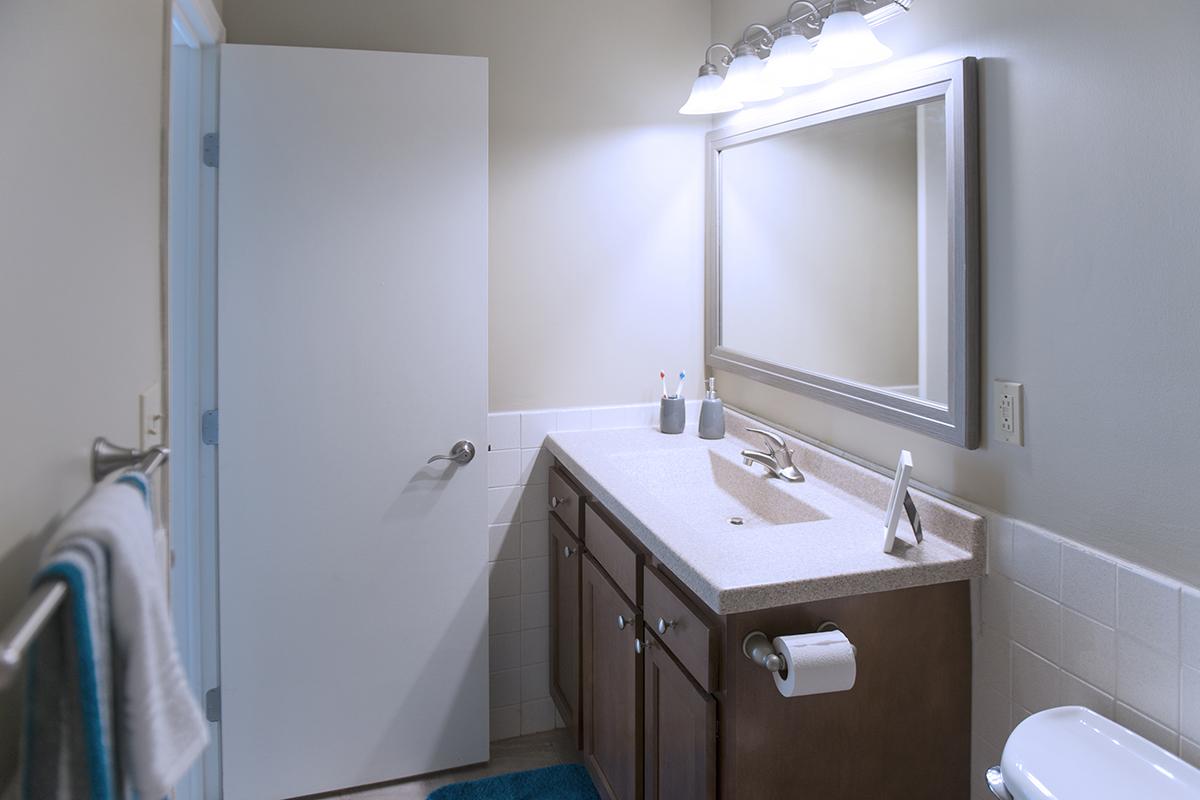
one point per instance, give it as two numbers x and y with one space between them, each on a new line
647 712
681 731
566 571
612 687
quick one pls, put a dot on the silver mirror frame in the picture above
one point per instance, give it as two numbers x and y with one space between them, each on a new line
958 422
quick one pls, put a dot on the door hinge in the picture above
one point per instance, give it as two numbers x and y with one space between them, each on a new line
212 705
211 150
210 426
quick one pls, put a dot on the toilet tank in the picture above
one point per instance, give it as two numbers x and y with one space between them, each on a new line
1072 753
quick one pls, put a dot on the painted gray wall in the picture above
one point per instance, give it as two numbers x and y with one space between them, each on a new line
596 244
81 89
1091 268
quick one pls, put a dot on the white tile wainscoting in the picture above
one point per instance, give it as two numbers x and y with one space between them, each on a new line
519 552
1066 625
1060 623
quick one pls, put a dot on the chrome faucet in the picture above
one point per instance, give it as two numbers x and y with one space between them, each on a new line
778 458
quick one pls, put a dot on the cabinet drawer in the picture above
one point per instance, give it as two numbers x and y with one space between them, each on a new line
566 501
682 629
622 563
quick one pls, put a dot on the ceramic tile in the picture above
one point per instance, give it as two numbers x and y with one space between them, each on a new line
1189 723
1189 646
990 716
535 425
1035 622
535 646
999 546
984 755
537 716
993 668
504 578
504 505
1147 680
1148 609
1089 650
535 610
504 650
504 541
535 575
1034 680
535 538
1074 692
574 419
1189 751
504 614
505 687
504 431
505 722
1036 559
535 465
535 500
1147 728
996 599
535 681
504 468
1089 584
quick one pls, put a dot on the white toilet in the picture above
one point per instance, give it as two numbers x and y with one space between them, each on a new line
1073 753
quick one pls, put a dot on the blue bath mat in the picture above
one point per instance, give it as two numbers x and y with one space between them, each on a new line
562 782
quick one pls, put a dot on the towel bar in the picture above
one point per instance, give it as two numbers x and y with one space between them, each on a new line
45 599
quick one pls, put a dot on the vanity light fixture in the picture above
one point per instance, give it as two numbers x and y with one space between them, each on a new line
793 60
846 39
744 80
769 59
707 96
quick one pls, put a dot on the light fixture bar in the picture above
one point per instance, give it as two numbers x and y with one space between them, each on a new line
876 17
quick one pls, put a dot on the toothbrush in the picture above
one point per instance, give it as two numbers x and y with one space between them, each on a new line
663 377
679 388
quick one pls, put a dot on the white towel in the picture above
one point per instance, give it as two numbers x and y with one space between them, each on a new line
160 730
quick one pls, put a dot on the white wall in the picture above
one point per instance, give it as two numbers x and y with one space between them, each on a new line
596 244
81 89
1091 181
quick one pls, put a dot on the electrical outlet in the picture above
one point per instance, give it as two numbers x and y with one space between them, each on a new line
1010 425
150 417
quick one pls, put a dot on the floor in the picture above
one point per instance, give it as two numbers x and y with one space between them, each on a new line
508 755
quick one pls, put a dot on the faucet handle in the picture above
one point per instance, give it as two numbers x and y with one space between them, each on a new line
774 440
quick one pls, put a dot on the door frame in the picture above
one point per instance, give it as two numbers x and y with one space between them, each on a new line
192 59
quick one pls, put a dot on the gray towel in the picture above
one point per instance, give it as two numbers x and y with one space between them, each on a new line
68 748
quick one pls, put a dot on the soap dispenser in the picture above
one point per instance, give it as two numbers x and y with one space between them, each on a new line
712 413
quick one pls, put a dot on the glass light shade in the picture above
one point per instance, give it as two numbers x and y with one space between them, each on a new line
847 41
794 62
707 96
744 81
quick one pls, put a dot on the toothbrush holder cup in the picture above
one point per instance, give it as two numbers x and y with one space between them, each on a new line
672 414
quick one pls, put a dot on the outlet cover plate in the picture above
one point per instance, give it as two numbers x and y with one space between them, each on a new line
1010 422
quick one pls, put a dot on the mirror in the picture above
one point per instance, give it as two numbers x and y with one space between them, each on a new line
842 253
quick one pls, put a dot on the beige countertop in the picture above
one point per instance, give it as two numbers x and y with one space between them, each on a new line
676 494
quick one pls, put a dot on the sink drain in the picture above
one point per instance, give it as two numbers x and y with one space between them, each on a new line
736 521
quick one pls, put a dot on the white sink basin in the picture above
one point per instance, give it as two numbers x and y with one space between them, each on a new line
712 488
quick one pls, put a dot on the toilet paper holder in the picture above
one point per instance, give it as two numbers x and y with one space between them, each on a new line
758 648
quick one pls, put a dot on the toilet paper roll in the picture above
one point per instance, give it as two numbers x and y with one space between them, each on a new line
817 663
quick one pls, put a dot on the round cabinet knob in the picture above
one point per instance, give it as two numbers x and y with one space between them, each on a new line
664 625
622 622
641 646
568 551
555 502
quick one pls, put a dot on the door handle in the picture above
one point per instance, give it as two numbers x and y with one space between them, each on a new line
461 453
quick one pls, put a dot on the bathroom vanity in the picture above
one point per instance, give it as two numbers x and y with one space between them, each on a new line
668 551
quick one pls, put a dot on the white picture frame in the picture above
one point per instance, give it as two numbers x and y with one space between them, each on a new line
895 506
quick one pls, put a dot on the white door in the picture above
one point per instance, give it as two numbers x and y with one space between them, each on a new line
352 326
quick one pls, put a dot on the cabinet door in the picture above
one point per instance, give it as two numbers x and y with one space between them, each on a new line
566 559
681 731
612 688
